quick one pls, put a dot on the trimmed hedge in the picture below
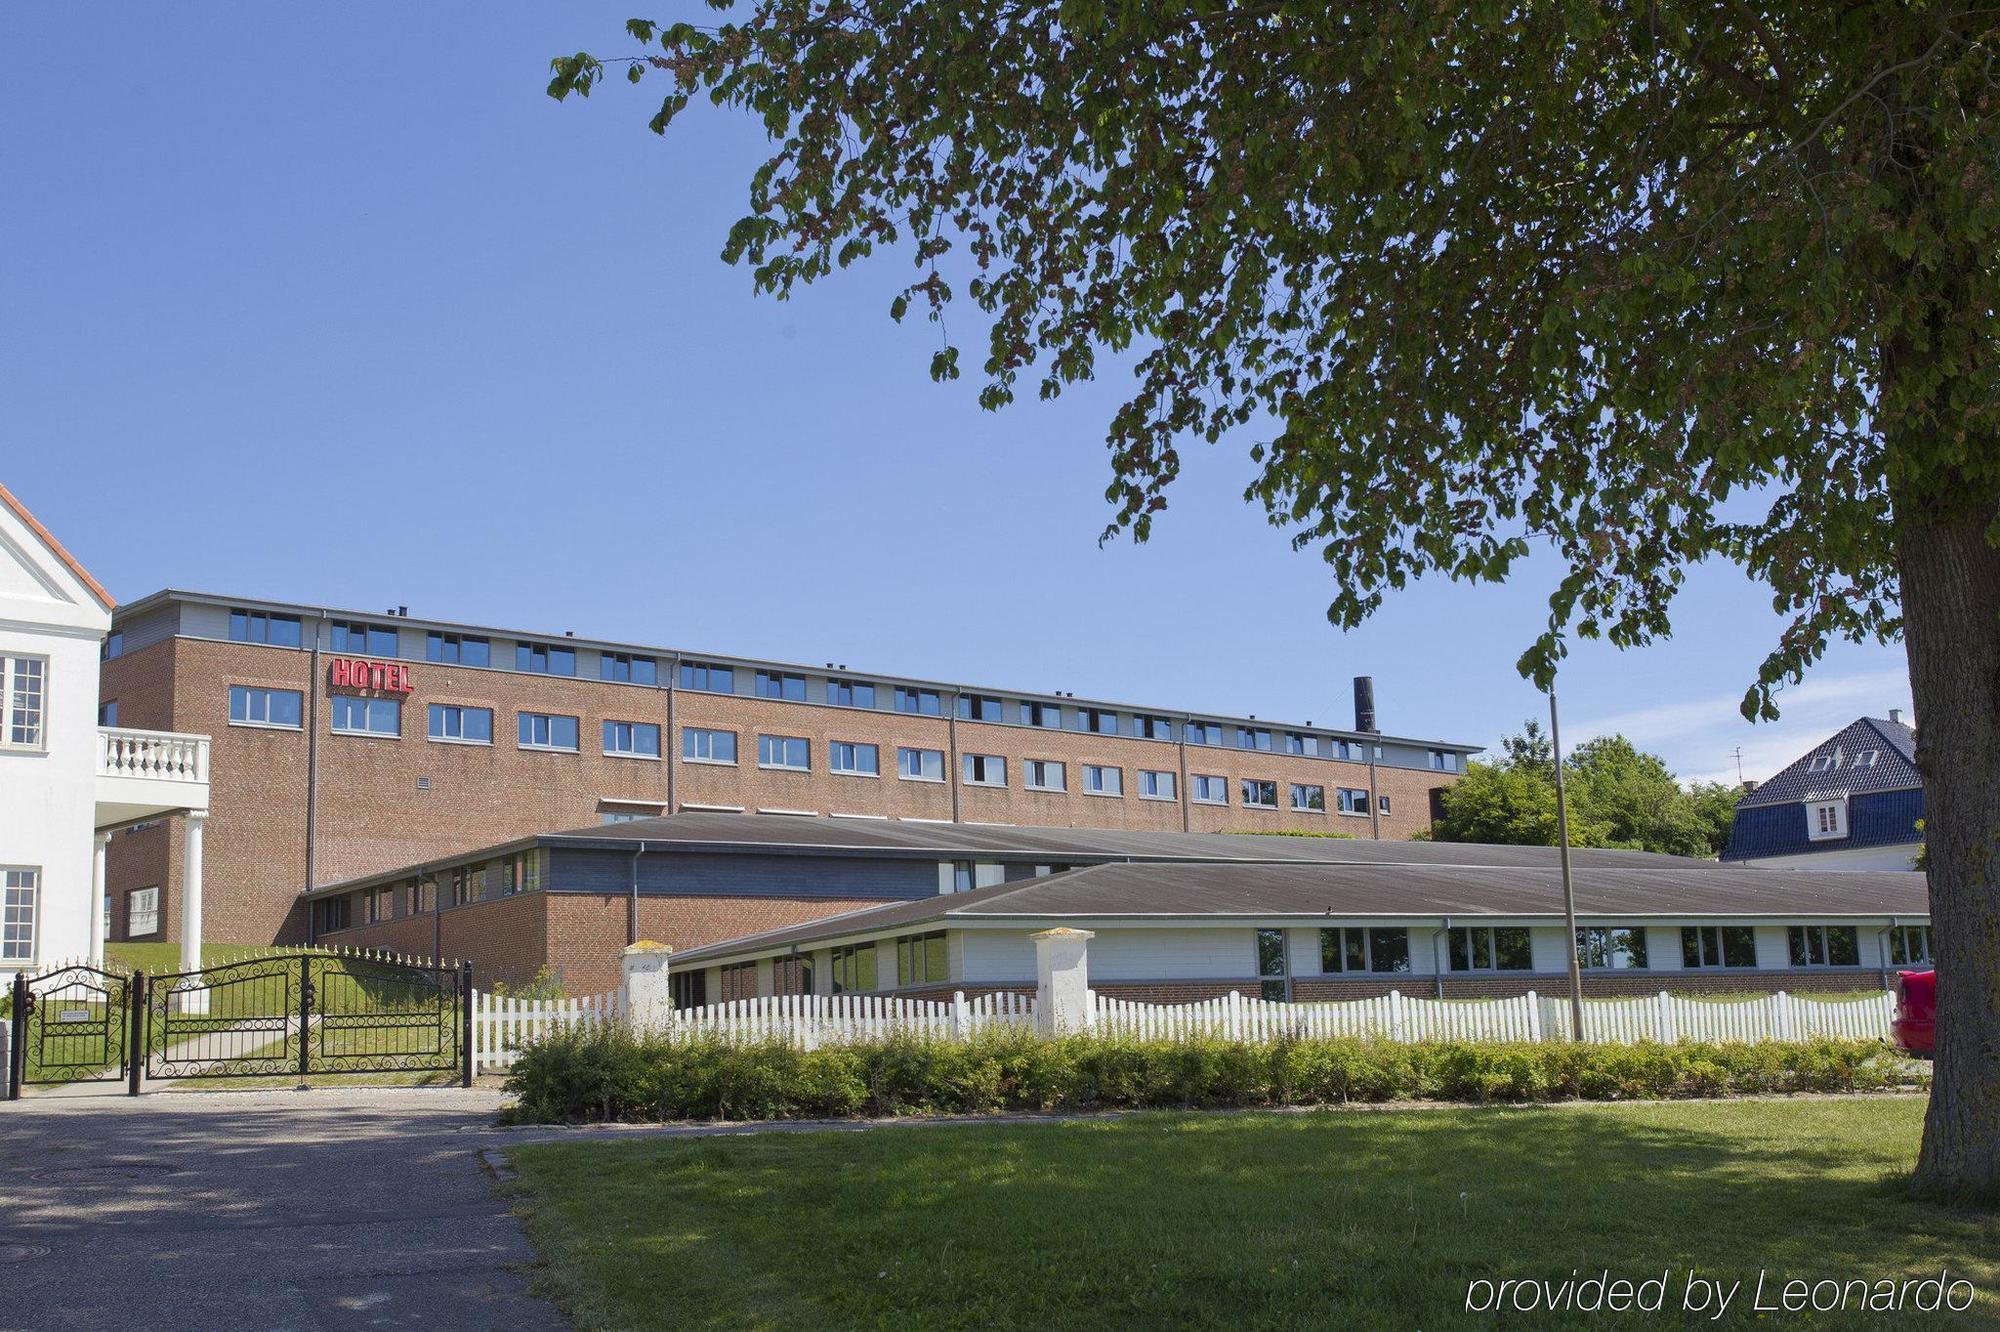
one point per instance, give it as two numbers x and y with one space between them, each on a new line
608 1073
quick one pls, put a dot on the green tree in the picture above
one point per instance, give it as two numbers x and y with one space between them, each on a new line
1642 283
1618 797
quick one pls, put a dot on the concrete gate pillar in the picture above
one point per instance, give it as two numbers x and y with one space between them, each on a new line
646 995
1062 981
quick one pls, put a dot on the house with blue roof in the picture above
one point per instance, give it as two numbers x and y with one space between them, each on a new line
1852 803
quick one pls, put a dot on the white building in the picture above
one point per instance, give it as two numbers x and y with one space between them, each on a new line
65 780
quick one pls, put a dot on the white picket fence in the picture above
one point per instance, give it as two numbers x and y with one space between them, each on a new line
502 1026
1529 1017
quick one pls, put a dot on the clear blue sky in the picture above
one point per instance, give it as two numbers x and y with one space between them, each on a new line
331 303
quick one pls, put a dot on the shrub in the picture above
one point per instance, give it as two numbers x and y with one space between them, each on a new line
610 1073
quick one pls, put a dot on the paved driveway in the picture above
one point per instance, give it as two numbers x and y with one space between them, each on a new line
322 1209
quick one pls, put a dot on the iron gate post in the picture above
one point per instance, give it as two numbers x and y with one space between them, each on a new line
17 1046
138 1003
465 1030
305 1013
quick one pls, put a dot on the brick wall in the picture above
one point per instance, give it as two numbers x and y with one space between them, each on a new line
371 816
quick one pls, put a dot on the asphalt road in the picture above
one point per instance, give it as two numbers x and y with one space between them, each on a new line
297 1210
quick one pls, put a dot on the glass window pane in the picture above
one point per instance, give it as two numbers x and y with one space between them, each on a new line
1513 949
1270 952
1843 946
1389 950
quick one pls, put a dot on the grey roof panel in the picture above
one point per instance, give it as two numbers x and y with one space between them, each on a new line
1404 891
1895 770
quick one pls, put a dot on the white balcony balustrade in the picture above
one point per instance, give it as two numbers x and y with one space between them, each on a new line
149 774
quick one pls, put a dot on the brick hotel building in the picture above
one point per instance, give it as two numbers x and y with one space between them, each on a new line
347 744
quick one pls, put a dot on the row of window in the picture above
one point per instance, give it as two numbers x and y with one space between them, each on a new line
356 715
1599 948
708 677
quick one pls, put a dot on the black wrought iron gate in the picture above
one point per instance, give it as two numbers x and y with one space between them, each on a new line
302 1014
68 1025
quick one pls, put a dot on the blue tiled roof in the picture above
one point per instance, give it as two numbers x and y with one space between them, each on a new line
1895 768
1876 818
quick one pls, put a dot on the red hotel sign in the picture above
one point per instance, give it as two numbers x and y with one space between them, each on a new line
388 677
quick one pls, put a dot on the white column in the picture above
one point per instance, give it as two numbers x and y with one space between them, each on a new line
1062 981
646 996
96 922
191 893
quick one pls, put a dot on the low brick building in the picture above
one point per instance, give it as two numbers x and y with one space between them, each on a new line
345 744
758 905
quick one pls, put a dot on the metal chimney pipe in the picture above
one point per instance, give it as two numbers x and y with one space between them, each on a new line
1364 704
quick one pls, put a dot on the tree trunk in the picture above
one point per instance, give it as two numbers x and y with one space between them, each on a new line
1950 576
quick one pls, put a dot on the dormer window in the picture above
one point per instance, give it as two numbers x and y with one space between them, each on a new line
1826 820
1824 762
1867 758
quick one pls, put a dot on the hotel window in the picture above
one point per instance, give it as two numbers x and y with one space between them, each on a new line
541 730
259 627
922 959
114 645
457 649
371 640
625 668
1271 969
1152 726
1350 800
1210 790
708 679
1382 802
632 739
1252 737
779 684
1043 775
107 712
853 968
1104 781
1443 760
353 715
1826 820
544 659
738 981
853 758
1909 944
1204 733
701 746
1098 721
1156 785
922 702
1259 794
984 769
979 707
23 701
250 706
17 913
471 726
1718 946
1480 948
784 751
1041 714
920 765
1298 743
1355 949
1308 799
1824 945
850 693
1611 947
142 912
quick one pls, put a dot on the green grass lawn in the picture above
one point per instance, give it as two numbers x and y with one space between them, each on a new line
1336 1219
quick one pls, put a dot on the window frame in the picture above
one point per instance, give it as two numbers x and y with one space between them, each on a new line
436 711
634 730
986 761
855 748
20 922
1035 772
12 666
913 700
1093 779
779 686
1348 941
1245 785
920 752
1599 941
1701 936
525 719
1799 941
1172 782
858 693
133 915
1197 781
923 953
688 741
1483 941
448 649
267 692
368 704
1306 806
706 673
785 743
256 627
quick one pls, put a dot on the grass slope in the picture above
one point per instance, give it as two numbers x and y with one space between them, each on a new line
1344 1218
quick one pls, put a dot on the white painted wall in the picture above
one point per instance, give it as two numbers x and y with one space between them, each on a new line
48 793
